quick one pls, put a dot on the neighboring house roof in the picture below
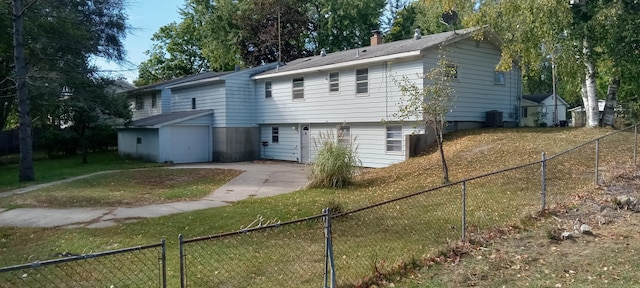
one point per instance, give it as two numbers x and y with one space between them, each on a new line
601 104
378 53
539 98
529 103
165 119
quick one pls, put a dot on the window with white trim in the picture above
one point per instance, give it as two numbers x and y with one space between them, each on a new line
267 90
334 82
298 88
362 81
275 134
394 138
498 78
344 135
525 112
139 102
154 100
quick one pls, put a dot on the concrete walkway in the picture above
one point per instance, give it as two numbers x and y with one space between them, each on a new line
258 180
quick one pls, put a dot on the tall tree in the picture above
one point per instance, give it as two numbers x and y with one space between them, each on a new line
429 103
337 25
405 23
26 148
271 31
61 36
175 53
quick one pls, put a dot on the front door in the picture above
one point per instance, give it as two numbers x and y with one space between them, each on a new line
304 144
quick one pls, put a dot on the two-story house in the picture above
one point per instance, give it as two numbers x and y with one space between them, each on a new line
278 112
353 93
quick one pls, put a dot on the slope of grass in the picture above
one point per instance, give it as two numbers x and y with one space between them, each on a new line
368 242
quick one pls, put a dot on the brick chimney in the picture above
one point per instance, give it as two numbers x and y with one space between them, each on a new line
376 38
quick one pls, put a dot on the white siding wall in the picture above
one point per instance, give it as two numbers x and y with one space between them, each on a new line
207 97
148 149
146 110
321 106
549 103
241 108
370 139
475 89
288 146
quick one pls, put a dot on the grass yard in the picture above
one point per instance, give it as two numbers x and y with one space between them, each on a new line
47 170
126 188
381 239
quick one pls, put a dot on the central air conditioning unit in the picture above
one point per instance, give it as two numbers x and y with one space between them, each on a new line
494 119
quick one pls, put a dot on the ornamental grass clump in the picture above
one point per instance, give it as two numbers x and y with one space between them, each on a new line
335 163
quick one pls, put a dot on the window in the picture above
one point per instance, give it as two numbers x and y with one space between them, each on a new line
138 140
525 111
193 103
452 70
298 88
275 134
344 135
394 138
334 82
267 89
154 100
139 102
362 81
498 78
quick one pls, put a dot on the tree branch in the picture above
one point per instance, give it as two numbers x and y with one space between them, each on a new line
27 7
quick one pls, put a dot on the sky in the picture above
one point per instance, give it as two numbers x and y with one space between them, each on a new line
145 18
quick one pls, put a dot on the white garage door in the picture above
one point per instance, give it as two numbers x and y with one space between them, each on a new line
189 144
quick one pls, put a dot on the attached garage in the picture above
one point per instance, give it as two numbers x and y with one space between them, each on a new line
179 137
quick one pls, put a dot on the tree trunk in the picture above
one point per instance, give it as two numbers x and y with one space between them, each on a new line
590 82
26 149
445 168
585 101
611 102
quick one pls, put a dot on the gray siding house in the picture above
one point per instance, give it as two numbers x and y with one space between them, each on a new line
278 112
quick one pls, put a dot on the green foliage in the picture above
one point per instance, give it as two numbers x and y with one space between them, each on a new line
335 163
271 30
55 141
338 24
405 23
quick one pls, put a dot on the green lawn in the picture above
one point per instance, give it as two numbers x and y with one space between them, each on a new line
379 239
47 170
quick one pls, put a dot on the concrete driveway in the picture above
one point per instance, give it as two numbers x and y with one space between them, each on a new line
258 180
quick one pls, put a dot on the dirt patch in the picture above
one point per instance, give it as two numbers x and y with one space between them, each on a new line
590 241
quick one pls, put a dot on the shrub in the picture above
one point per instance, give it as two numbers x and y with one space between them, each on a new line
335 164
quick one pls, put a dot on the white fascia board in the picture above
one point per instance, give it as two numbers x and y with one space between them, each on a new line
215 80
204 113
342 64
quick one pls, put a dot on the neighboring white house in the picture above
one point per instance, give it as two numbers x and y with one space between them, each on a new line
278 112
541 108
579 117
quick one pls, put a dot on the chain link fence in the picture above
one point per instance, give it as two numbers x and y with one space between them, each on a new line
289 254
354 248
142 266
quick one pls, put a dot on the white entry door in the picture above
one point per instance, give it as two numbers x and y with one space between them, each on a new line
304 144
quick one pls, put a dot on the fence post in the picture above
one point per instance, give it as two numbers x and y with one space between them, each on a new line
635 148
329 265
183 281
597 155
543 175
164 263
464 210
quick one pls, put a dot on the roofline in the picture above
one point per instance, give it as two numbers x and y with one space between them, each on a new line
215 80
414 53
204 112
489 35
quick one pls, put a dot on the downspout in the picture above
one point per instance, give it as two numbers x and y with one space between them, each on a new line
386 91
